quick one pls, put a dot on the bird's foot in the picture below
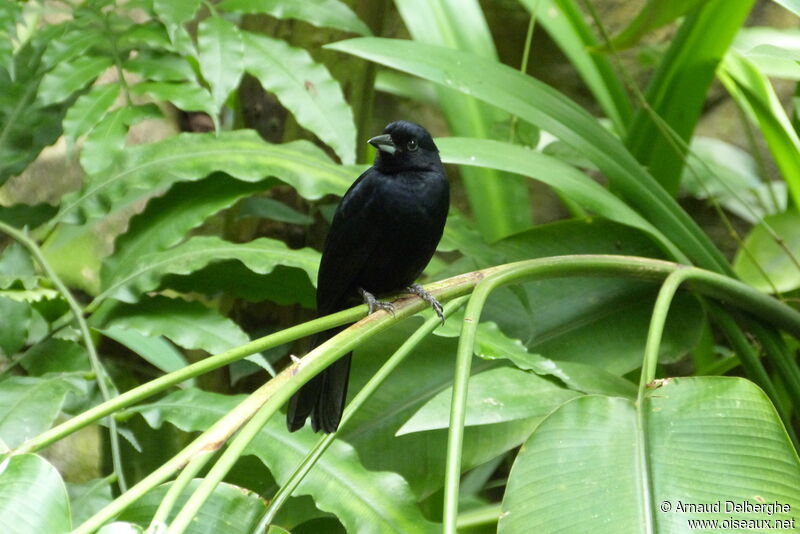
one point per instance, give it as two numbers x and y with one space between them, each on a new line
418 290
373 304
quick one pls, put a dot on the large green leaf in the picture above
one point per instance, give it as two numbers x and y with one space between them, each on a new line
260 255
189 157
29 405
754 93
495 396
322 13
564 178
761 254
190 325
221 55
699 441
33 499
776 51
654 14
677 91
572 319
365 501
567 26
166 220
539 104
499 203
304 87
88 498
229 510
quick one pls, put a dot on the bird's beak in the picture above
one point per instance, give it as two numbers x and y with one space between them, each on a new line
383 142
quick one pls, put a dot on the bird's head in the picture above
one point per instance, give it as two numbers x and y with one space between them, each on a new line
405 146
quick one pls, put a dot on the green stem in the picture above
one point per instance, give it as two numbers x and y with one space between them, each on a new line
209 441
285 384
711 284
159 521
523 68
366 392
99 371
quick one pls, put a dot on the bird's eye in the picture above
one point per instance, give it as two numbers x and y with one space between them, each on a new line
412 145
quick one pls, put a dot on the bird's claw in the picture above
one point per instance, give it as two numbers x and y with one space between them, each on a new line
418 290
373 304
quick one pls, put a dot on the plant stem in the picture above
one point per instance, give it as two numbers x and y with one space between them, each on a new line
159 521
366 392
486 515
77 312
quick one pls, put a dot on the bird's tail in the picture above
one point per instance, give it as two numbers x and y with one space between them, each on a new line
323 396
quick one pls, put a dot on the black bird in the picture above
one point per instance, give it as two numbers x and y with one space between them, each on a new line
383 234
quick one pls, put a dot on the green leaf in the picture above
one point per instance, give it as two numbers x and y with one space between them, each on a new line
491 344
754 93
221 56
55 355
29 405
33 498
71 44
105 142
567 26
269 208
601 322
760 251
189 96
155 350
494 396
426 372
562 177
189 157
260 255
304 87
320 13
775 51
365 501
26 127
166 220
88 110
284 285
541 105
176 13
729 175
499 203
677 90
70 76
700 435
229 510
190 325
88 498
160 67
14 325
654 14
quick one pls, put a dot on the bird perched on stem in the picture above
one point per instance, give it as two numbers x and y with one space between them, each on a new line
383 234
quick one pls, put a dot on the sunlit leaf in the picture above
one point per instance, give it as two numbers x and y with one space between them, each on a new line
700 435
88 110
304 87
762 255
70 76
33 499
322 13
221 55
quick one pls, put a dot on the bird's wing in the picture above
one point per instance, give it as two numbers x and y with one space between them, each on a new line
351 240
